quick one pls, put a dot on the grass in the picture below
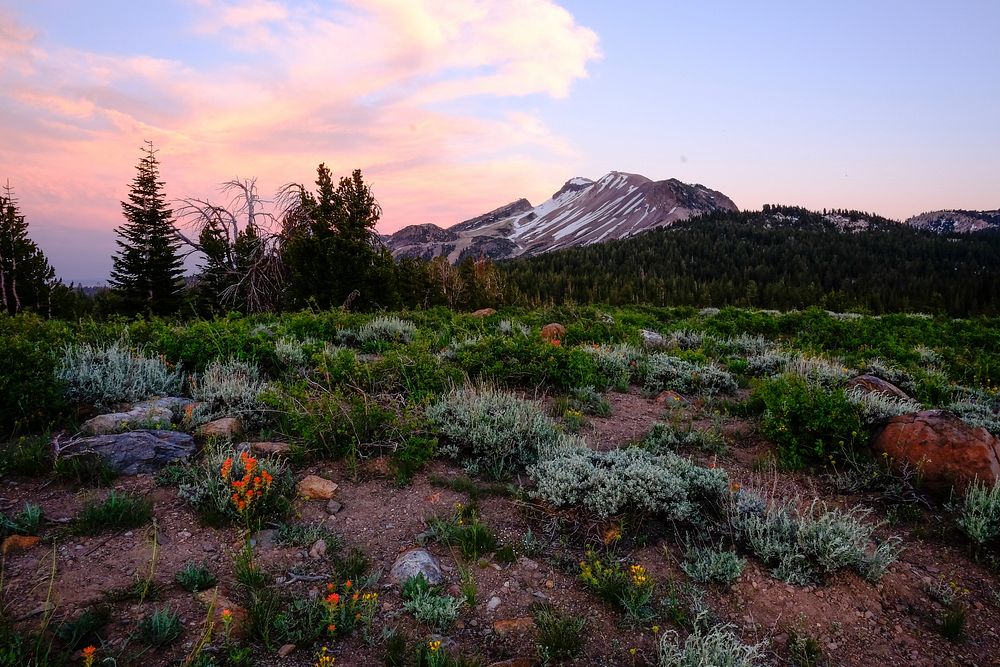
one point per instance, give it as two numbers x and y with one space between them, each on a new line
160 628
195 578
118 511
560 634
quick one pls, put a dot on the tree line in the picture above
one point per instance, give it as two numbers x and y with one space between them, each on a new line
317 248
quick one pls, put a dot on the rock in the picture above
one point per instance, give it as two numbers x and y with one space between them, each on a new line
314 487
178 405
515 662
268 448
652 338
484 312
136 452
318 549
515 625
551 332
414 562
286 650
19 543
221 605
264 539
332 507
226 428
669 398
493 604
876 385
116 422
948 452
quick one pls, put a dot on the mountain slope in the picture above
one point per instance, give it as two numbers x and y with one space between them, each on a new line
957 221
582 212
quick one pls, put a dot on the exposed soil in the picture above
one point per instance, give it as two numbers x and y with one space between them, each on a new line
854 622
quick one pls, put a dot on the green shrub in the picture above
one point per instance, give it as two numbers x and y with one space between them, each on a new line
84 469
118 511
717 646
464 530
666 438
806 422
560 635
498 431
618 365
84 629
104 375
979 513
30 456
160 628
630 589
528 362
411 457
195 578
713 566
382 329
629 480
25 522
31 395
428 605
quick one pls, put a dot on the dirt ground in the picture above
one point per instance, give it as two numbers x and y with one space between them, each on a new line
854 623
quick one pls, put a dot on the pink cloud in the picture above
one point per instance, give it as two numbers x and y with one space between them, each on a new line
367 85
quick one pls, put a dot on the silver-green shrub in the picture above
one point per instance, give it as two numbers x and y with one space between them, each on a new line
103 375
665 437
386 329
977 408
623 480
684 339
663 371
228 389
497 430
713 566
767 363
979 512
618 364
876 407
294 353
746 345
890 372
714 646
825 373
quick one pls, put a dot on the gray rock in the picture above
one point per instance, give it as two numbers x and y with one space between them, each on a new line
136 452
116 422
318 549
332 507
414 562
493 603
652 338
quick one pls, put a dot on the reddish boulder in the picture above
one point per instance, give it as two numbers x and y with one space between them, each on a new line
876 385
948 452
484 312
551 332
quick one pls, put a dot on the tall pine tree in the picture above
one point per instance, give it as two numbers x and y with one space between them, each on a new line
148 268
25 275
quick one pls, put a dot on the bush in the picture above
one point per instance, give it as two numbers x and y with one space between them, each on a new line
118 511
31 395
160 628
530 362
428 605
820 540
630 589
219 487
30 456
229 389
195 578
498 431
663 371
618 365
464 530
629 480
713 566
115 373
384 329
718 646
979 513
818 371
411 457
876 407
25 522
805 421
666 438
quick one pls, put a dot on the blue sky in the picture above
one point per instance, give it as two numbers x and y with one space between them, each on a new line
454 107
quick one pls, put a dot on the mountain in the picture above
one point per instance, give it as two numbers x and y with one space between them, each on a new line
957 222
582 212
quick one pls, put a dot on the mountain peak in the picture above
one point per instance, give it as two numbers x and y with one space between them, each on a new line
581 212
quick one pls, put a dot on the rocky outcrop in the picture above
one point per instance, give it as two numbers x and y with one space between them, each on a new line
876 385
949 453
135 452
957 222
152 414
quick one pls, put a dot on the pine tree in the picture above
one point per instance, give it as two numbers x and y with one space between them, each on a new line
25 274
148 267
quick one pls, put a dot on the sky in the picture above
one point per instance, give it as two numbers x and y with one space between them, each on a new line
454 107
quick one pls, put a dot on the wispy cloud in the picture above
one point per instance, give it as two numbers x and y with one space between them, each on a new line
384 85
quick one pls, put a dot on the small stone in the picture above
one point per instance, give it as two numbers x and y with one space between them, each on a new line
184 534
332 507
315 487
414 562
318 549
286 650
493 604
514 625
550 584
270 448
225 428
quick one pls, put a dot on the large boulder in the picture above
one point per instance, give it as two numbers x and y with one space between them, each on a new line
225 428
875 385
136 452
948 452
413 562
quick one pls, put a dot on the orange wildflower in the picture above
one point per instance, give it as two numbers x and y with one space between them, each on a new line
88 655
227 466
